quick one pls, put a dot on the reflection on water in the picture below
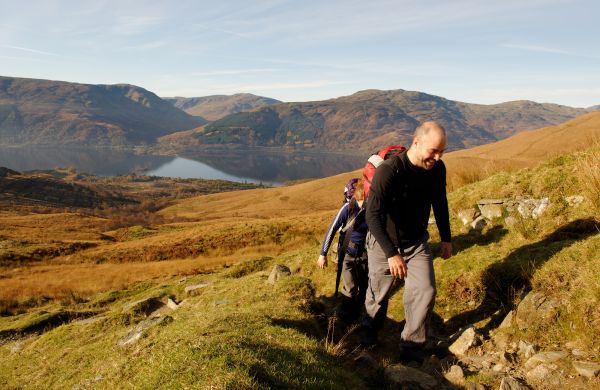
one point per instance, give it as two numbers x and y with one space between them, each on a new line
242 166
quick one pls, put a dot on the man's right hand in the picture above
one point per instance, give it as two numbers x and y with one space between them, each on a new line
398 266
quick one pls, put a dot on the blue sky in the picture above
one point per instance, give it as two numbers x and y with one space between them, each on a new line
473 51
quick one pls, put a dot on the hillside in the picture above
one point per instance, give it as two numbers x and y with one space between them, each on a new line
371 118
45 112
233 329
216 107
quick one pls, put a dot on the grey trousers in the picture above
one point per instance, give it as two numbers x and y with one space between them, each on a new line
355 276
419 289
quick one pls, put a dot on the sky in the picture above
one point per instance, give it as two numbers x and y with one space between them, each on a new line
474 51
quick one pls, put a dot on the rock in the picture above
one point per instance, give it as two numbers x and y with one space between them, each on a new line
578 352
587 369
16 348
479 223
535 308
468 215
507 321
510 383
574 200
366 359
540 372
507 357
500 340
192 290
532 208
402 377
140 328
221 302
172 305
145 306
527 349
491 208
499 367
545 357
510 221
278 272
466 340
455 375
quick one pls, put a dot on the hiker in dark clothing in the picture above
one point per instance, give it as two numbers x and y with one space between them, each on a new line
404 190
354 260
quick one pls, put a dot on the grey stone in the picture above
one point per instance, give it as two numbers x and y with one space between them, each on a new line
574 200
137 332
491 210
279 271
221 302
587 369
193 289
540 372
468 215
479 223
527 350
172 305
510 383
507 321
534 308
510 221
403 377
465 341
455 375
545 357
366 359
532 208
499 367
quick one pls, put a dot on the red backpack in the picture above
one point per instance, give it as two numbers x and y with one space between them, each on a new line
375 161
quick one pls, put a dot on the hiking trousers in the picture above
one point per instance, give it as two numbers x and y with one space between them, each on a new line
356 278
419 289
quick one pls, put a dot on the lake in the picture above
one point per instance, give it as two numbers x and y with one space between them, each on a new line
271 168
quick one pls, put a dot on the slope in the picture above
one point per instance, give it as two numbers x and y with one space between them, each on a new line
217 106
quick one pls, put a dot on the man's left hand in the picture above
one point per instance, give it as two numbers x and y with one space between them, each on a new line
446 248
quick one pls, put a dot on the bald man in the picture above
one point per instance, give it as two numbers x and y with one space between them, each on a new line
404 190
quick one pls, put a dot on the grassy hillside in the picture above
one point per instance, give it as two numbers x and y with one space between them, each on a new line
217 106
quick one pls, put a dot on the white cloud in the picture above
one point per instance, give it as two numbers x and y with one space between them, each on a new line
541 49
30 50
134 25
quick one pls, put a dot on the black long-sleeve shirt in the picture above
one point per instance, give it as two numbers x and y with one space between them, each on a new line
400 201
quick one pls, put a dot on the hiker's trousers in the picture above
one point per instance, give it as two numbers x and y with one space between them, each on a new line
355 276
419 288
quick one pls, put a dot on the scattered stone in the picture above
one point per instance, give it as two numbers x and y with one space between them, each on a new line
500 340
510 383
479 223
574 200
88 321
545 357
455 375
499 367
468 215
192 290
534 308
587 369
279 271
541 372
527 349
466 340
510 221
507 357
366 359
491 208
140 328
507 321
16 348
532 208
578 353
221 302
171 304
402 377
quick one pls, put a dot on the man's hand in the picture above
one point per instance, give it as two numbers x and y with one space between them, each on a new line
322 262
398 266
446 248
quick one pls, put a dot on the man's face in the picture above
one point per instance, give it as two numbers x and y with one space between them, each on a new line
430 148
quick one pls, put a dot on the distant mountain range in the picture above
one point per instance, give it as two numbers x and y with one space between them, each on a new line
60 113
218 106
369 119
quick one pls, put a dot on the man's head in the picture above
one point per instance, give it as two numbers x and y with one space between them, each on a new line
428 145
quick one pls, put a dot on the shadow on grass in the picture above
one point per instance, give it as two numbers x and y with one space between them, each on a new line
473 237
502 280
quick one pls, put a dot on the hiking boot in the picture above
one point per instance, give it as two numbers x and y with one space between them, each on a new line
368 338
412 352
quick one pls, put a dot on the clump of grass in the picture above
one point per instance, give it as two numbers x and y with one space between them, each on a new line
247 267
588 173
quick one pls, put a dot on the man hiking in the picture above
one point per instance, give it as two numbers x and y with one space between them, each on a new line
352 255
404 190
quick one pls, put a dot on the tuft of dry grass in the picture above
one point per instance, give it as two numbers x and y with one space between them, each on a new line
588 174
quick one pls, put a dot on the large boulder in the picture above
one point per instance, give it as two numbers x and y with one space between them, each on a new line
491 208
535 308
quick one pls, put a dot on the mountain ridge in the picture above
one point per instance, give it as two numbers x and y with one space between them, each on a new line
215 107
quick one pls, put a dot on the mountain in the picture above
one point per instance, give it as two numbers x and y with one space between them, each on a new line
61 113
371 118
594 108
218 106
